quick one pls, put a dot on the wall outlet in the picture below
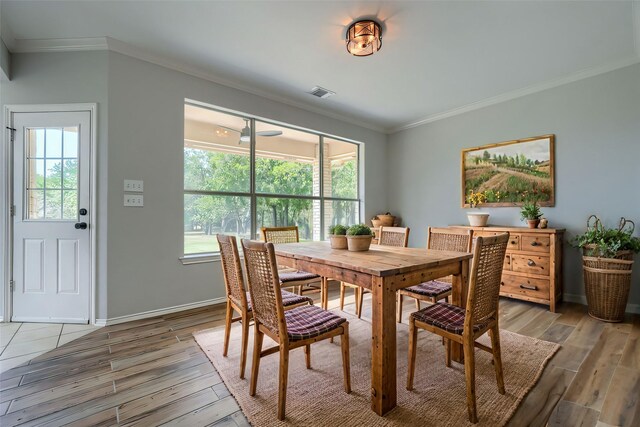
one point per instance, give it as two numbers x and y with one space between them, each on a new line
133 185
136 200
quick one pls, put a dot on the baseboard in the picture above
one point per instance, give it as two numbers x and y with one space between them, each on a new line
159 312
581 299
32 319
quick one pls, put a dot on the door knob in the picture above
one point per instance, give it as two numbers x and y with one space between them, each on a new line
82 211
81 225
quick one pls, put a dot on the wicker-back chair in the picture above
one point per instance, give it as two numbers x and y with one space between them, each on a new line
299 327
466 325
387 236
301 281
238 299
439 239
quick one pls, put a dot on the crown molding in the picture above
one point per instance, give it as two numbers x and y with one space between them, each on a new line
580 75
59 45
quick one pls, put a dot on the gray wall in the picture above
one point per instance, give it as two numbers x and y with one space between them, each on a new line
597 126
5 62
140 136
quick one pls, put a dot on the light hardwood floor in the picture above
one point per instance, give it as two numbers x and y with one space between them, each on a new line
151 372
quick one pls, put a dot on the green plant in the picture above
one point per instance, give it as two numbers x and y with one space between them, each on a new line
338 230
359 230
530 211
607 242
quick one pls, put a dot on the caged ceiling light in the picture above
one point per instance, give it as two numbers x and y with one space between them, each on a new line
364 38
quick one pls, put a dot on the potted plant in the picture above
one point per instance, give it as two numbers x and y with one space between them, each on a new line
531 213
477 219
607 260
359 238
338 236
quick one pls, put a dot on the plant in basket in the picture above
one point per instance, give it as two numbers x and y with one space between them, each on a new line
338 236
359 237
607 262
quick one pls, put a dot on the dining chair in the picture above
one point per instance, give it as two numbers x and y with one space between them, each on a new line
466 325
440 239
291 329
301 281
387 236
238 298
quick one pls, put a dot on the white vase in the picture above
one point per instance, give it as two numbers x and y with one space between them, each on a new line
478 219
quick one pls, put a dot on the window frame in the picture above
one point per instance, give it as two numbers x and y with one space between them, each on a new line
195 258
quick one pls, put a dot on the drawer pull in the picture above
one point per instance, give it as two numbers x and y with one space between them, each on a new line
513 242
531 263
529 287
534 243
501 283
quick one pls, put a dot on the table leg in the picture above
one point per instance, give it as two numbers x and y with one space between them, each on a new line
460 287
383 350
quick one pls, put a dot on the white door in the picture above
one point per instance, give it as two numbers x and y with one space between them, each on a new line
51 244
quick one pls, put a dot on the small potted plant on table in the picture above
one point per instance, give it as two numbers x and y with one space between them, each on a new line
359 238
477 219
338 236
531 213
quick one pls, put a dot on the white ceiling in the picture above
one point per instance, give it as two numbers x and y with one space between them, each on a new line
437 58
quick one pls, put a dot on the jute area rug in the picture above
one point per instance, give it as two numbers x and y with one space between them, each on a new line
316 397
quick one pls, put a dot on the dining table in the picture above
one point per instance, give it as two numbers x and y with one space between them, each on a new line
382 270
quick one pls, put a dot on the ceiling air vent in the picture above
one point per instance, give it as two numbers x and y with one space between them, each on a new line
321 92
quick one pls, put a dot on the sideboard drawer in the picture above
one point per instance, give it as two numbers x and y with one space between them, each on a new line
530 264
512 245
535 243
513 285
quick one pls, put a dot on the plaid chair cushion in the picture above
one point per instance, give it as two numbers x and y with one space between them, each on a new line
288 298
445 316
432 289
309 321
294 276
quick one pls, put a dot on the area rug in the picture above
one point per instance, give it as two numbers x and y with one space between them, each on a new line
316 397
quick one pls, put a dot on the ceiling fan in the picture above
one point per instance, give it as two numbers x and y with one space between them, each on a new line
245 133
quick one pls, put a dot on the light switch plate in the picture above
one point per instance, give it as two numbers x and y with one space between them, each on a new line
133 185
136 200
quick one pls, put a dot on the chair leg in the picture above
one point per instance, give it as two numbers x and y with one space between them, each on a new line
257 348
447 351
360 292
342 296
282 384
307 355
399 308
227 328
446 299
497 357
324 290
346 363
470 377
413 337
245 342
417 303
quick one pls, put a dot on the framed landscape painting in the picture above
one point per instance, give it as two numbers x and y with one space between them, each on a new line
510 173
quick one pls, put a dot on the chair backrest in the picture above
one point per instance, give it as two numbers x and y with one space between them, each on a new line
264 285
232 270
484 279
394 236
450 239
280 234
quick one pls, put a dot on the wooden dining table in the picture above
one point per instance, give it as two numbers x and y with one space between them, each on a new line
383 270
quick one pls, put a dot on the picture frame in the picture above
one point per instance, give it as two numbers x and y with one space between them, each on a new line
511 172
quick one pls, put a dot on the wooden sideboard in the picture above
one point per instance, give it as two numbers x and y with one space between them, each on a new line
533 263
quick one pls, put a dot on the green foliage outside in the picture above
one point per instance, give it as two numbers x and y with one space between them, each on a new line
56 196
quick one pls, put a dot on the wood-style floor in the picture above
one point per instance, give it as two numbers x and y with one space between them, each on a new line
151 372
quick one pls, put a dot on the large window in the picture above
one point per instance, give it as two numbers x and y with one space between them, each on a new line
241 174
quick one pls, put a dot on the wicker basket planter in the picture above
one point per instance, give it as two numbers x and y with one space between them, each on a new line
338 241
359 243
607 282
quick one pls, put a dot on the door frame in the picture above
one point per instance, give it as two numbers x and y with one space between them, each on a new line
6 160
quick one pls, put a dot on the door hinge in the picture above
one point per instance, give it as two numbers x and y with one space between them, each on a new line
13 133
13 210
12 285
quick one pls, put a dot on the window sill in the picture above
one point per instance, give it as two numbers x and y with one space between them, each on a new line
199 258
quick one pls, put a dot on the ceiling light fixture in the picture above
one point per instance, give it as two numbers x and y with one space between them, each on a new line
245 134
364 38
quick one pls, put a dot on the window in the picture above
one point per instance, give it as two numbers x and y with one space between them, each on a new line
241 174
